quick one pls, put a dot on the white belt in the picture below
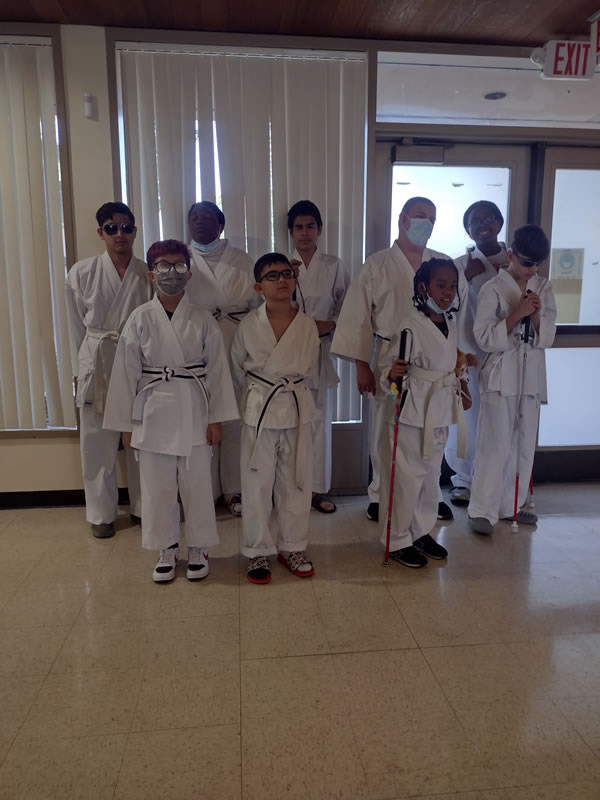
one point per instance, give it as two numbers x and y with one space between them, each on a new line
275 387
99 381
156 375
438 380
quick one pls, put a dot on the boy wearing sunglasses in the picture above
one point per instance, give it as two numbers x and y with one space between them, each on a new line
169 392
514 323
102 291
274 349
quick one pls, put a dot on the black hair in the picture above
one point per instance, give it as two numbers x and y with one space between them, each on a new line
304 208
108 210
491 207
213 207
267 260
412 201
424 275
531 241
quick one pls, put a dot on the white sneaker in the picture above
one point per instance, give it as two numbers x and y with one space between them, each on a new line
164 571
197 567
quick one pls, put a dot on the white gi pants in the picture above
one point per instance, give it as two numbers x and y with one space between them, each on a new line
463 467
276 511
322 422
416 484
99 450
161 477
493 487
225 469
376 433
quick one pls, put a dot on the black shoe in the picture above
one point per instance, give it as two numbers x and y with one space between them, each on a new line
135 519
373 512
410 557
444 511
429 547
103 530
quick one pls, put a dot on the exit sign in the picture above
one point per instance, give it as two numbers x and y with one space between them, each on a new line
569 60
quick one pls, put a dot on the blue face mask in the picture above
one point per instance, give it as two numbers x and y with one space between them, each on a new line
433 306
419 232
206 249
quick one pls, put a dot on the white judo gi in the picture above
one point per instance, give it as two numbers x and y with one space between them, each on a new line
492 490
276 452
98 304
463 467
223 283
320 294
170 380
376 299
432 404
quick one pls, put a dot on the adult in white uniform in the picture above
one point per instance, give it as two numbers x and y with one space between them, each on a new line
170 389
274 349
224 285
507 390
483 221
102 291
377 297
430 402
321 287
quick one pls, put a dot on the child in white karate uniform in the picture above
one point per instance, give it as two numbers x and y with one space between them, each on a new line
274 349
432 403
169 391
508 392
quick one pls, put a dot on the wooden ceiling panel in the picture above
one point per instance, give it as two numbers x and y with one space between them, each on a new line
517 22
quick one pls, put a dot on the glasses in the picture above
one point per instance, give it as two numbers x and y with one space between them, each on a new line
111 228
485 219
275 275
164 267
528 262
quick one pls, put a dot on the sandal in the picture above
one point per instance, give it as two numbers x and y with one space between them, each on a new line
294 561
317 503
259 569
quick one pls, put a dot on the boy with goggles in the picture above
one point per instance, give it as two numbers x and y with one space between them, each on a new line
102 291
169 392
274 349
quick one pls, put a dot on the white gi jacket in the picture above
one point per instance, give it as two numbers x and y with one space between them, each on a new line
433 398
228 291
98 304
502 367
269 374
170 379
378 297
320 294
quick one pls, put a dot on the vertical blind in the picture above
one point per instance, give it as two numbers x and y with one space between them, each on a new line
257 130
36 389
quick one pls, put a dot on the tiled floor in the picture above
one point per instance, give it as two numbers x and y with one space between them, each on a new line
478 679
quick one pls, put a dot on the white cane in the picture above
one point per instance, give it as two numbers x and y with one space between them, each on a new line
527 323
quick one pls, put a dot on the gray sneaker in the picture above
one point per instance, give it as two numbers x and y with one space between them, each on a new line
104 530
481 525
524 517
460 496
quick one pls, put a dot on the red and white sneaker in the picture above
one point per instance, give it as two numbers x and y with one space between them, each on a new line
197 565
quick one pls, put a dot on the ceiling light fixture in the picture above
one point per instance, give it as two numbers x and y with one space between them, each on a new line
494 96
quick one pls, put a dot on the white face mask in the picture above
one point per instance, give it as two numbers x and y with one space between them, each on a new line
419 231
206 249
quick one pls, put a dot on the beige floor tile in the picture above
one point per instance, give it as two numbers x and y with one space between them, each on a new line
30 651
418 753
9 586
53 605
301 756
62 769
18 693
575 790
584 715
182 764
84 704
280 619
490 794
526 742
562 666
8 516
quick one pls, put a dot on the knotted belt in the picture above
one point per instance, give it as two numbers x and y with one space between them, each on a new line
438 380
275 387
157 375
99 384
234 316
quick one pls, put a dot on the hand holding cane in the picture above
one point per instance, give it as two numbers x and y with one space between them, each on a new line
525 338
401 398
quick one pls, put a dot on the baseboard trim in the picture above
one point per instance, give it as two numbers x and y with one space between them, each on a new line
51 499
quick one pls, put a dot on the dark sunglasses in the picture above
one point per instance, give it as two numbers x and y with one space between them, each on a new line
111 228
528 262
